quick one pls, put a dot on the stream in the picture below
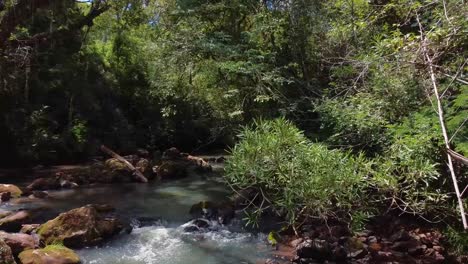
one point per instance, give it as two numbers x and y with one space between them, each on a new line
166 205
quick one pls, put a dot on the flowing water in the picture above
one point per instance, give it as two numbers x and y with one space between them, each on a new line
164 241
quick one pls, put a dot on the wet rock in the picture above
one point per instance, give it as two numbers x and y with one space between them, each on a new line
14 191
339 253
315 249
145 221
144 166
401 235
80 227
42 184
223 212
171 153
339 231
200 164
5 196
49 255
18 242
175 164
357 254
404 246
296 242
14 221
29 228
6 256
171 169
196 225
220 159
417 250
115 171
374 247
66 184
40 194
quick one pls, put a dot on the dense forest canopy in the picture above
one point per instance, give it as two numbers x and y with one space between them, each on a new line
358 76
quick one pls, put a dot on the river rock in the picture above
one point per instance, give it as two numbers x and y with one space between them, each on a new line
14 221
176 164
29 228
222 212
144 166
5 196
12 189
18 242
115 171
40 194
49 255
6 256
42 184
315 249
171 169
80 227
196 225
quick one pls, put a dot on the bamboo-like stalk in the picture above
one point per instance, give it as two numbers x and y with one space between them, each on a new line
440 113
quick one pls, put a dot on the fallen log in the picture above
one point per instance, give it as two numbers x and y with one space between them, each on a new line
138 175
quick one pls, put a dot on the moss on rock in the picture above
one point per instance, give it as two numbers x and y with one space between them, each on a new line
12 189
52 254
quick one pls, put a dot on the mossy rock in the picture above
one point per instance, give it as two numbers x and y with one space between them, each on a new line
12 189
6 256
80 227
171 169
52 254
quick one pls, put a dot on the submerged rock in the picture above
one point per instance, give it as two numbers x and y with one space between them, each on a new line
14 191
49 255
222 212
197 225
6 256
80 227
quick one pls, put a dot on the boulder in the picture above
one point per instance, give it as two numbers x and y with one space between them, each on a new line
222 212
12 189
40 194
116 171
315 249
14 221
80 227
172 153
171 169
49 255
200 164
42 184
6 256
18 242
144 166
175 164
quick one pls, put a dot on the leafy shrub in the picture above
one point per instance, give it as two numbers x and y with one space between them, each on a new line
408 172
294 176
357 122
458 240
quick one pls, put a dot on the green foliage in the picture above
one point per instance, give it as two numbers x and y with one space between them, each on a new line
294 174
458 240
